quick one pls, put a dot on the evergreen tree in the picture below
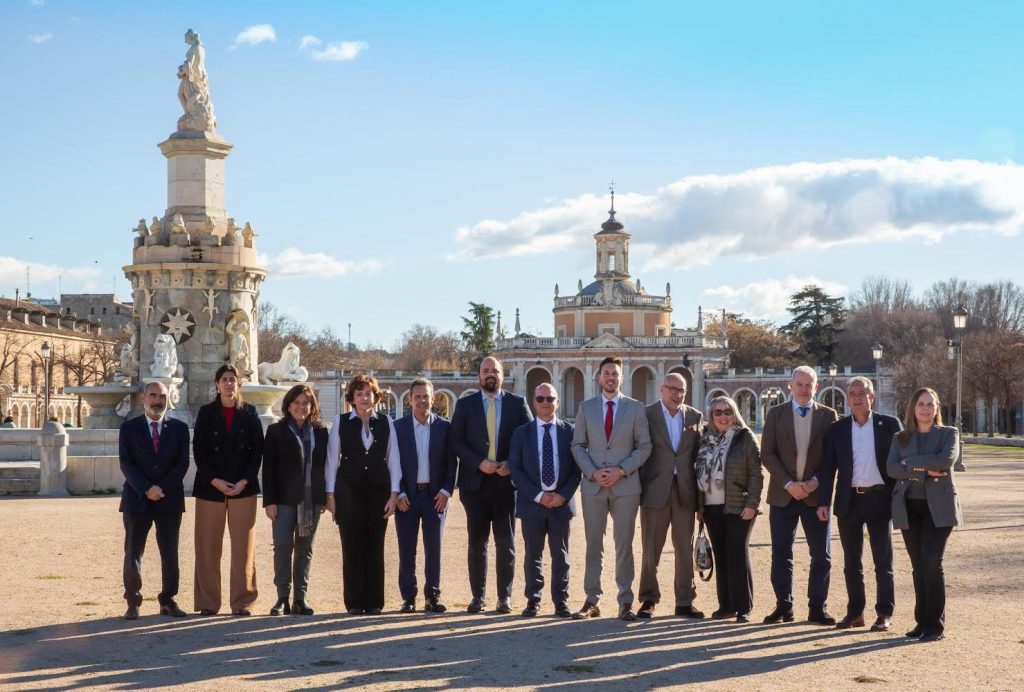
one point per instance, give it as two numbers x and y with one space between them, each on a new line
478 335
817 320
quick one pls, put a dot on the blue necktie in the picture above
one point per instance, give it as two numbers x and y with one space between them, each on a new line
803 410
547 460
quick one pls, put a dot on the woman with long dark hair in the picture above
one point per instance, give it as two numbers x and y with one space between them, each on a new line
729 482
362 477
227 445
294 496
925 505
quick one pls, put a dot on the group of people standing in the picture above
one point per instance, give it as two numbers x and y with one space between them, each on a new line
663 461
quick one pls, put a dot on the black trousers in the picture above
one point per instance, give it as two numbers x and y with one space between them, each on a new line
487 509
362 525
873 510
730 543
136 531
926 544
552 526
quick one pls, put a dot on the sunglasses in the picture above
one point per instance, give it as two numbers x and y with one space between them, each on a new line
721 412
545 399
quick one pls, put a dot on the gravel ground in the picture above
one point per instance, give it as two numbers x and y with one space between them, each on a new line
60 625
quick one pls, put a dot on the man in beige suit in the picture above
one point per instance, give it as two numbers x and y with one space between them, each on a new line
609 445
791 449
669 497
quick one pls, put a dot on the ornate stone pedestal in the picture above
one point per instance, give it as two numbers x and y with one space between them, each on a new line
103 401
267 400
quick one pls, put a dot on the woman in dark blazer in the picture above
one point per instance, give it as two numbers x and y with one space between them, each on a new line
227 445
362 477
729 483
294 453
925 505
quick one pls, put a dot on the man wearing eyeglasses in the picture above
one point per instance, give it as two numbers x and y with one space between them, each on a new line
546 478
669 497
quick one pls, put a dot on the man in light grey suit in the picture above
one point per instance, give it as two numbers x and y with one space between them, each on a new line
669 497
610 444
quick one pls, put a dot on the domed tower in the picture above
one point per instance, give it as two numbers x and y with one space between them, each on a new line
612 303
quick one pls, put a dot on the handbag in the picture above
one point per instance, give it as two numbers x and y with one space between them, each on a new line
703 558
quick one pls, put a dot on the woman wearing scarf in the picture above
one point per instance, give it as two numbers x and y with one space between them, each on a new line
294 458
729 482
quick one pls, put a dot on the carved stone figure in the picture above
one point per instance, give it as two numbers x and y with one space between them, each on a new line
141 228
128 367
286 369
154 227
211 305
237 333
165 358
194 90
147 304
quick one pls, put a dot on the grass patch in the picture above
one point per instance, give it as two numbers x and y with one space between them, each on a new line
51 576
87 603
576 668
325 663
868 678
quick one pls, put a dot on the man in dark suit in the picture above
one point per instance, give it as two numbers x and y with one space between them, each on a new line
791 446
482 427
428 480
546 478
153 451
669 497
856 448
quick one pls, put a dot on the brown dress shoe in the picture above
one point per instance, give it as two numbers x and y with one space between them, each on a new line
646 610
589 610
882 624
626 612
850 621
132 613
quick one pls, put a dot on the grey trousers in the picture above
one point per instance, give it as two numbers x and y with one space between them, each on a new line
654 527
292 553
622 509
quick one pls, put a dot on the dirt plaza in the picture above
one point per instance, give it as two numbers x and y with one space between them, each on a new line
60 624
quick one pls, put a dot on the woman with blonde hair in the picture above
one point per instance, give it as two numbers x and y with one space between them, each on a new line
925 506
729 482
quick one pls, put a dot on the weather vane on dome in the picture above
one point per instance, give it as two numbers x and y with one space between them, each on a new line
611 187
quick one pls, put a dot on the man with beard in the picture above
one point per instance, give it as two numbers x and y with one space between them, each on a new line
153 451
482 427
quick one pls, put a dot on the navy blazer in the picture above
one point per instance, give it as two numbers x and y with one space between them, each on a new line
441 459
524 463
837 458
143 467
469 436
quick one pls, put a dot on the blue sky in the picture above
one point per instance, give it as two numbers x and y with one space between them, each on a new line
463 151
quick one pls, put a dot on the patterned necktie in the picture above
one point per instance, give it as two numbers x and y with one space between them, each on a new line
608 420
155 431
547 458
803 410
492 429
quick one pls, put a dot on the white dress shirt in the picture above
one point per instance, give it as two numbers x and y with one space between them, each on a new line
540 455
615 405
334 451
865 467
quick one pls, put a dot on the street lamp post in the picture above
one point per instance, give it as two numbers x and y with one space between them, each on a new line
876 354
960 325
832 370
44 351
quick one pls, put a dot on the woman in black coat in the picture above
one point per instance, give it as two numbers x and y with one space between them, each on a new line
294 454
227 445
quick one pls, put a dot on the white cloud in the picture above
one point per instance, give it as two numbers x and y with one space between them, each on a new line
37 3
40 38
766 211
296 263
253 35
766 299
12 272
333 52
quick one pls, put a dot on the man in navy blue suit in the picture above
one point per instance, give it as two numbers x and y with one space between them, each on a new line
856 449
428 480
482 427
546 478
153 451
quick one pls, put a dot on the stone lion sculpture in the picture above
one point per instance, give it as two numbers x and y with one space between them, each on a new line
286 369
165 358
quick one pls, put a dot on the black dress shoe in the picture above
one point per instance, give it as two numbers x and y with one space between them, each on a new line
626 613
882 624
562 610
850 621
689 612
409 606
931 637
743 618
171 609
646 610
820 616
722 614
356 611
433 605
372 611
207 612
281 607
242 613
915 633
300 607
132 613
503 607
589 610
476 605
532 608
780 614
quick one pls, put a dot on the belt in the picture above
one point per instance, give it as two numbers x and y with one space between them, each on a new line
860 490
422 486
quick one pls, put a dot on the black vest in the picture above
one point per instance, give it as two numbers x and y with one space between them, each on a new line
358 465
